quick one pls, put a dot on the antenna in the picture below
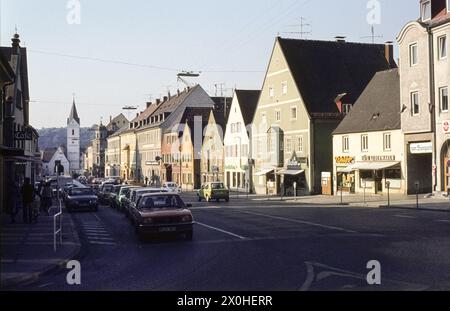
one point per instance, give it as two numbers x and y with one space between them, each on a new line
372 36
302 27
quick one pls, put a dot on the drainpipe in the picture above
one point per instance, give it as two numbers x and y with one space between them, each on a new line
432 107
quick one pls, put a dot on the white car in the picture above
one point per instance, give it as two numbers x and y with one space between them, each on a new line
171 187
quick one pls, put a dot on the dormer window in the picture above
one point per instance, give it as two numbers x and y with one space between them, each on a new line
426 10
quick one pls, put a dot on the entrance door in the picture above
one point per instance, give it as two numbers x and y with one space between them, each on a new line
447 173
379 182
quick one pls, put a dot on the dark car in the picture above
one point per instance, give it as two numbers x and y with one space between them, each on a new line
113 195
136 194
162 213
104 193
81 199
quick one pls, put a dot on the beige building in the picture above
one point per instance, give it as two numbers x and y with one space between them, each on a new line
424 80
368 148
308 88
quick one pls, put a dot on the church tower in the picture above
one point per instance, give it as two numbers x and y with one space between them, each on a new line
73 139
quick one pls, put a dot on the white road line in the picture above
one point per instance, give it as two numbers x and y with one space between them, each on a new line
95 238
405 216
220 230
102 243
443 220
301 222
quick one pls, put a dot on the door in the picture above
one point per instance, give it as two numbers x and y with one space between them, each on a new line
378 182
447 174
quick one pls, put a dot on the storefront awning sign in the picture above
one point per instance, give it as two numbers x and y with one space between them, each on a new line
290 172
368 166
265 171
421 148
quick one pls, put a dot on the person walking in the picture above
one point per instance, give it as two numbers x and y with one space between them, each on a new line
47 198
14 201
27 201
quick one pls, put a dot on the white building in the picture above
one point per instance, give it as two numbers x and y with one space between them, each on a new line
238 169
368 145
73 140
51 157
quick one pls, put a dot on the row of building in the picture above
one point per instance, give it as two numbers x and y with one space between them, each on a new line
330 116
19 152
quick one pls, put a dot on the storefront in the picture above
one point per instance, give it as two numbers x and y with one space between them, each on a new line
373 174
293 179
346 180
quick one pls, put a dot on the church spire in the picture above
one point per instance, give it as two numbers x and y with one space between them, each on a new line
73 113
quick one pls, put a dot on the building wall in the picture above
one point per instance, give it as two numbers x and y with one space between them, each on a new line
293 128
128 159
149 148
113 152
376 148
73 145
212 160
49 168
237 150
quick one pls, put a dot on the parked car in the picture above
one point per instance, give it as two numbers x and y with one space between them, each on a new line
162 213
137 194
104 193
112 196
213 191
171 187
119 198
81 199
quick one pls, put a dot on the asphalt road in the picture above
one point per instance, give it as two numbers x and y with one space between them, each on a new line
265 245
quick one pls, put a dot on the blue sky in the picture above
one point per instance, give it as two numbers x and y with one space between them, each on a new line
215 37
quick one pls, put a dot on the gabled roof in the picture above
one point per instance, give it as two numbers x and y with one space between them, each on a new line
188 118
175 101
378 108
324 69
248 101
73 114
114 122
221 118
47 154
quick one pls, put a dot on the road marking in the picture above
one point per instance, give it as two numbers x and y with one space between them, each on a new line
220 230
405 216
443 220
100 238
302 222
102 243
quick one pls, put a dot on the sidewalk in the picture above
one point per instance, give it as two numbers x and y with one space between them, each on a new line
27 250
374 201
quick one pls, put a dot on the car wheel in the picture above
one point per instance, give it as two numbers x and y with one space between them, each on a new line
189 236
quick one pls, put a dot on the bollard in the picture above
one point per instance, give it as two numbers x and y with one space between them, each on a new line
295 191
417 193
342 195
364 193
388 186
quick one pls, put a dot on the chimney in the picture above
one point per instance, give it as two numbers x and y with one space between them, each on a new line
15 44
178 92
165 98
149 104
110 119
340 39
389 52
168 95
158 102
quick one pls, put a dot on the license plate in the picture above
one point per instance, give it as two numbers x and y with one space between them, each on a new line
168 229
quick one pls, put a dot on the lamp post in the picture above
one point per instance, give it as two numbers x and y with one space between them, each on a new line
388 186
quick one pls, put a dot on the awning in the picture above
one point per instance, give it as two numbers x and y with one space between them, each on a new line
265 172
369 166
290 172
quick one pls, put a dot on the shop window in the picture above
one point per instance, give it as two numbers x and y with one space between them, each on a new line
366 175
393 174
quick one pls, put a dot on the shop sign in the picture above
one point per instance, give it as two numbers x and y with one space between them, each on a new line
345 160
378 158
151 163
421 148
446 127
23 135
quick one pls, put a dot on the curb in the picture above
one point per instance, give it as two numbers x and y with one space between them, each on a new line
31 278
416 209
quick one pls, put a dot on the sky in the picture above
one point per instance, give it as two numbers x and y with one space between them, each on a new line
119 53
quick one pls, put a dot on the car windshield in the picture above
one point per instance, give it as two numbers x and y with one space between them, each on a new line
107 188
163 201
217 186
78 192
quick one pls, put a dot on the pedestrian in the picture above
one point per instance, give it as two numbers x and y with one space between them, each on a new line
47 198
14 201
27 200
146 181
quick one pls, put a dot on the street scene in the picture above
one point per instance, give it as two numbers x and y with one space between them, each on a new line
267 154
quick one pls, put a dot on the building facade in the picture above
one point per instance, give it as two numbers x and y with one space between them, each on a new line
308 88
51 157
238 166
424 74
368 145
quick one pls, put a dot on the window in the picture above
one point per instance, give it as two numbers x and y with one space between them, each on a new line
415 108
238 127
271 92
442 47
413 57
364 142
426 10
294 113
345 144
73 132
19 99
277 115
284 88
387 141
233 128
288 145
300 144
346 108
443 98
